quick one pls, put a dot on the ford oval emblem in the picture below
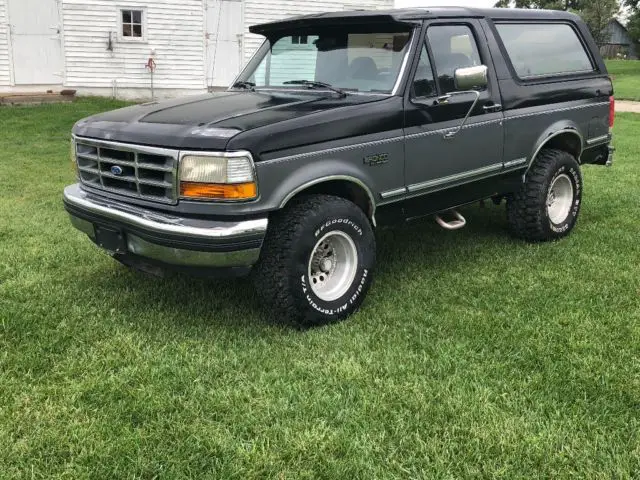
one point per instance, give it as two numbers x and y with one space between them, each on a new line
116 170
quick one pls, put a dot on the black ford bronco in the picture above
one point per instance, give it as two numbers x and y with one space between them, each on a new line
340 123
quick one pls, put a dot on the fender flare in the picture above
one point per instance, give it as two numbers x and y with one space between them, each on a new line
555 130
306 176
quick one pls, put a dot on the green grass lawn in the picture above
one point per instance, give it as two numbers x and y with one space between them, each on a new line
474 356
626 78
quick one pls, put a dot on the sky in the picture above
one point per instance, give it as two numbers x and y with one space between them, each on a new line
444 3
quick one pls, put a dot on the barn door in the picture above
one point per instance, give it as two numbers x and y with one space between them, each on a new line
224 41
36 42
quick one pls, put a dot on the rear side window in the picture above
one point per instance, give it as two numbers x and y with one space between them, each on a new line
539 50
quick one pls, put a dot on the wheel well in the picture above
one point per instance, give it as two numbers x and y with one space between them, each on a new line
567 141
345 189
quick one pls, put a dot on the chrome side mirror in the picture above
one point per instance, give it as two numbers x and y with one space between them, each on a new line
471 78
467 81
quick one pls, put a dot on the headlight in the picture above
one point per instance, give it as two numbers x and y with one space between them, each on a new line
222 176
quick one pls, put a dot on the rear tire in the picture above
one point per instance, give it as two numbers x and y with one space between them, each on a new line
317 261
548 203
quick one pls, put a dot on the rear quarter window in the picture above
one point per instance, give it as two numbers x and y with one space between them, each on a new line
541 50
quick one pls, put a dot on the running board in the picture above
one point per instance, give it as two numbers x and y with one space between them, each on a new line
456 224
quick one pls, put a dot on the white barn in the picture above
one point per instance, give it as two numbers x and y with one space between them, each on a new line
102 47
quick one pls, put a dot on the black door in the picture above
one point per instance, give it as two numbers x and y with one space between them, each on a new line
434 160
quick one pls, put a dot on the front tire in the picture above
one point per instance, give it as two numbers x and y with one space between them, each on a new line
317 260
548 203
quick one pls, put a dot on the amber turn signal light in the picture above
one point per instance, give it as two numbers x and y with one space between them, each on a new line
217 191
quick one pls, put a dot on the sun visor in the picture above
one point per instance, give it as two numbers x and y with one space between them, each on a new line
331 20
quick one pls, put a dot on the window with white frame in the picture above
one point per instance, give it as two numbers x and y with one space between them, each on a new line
132 27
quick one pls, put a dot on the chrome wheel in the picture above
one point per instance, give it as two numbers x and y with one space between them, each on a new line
560 199
333 265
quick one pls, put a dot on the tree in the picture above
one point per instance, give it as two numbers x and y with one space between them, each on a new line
634 25
546 4
597 15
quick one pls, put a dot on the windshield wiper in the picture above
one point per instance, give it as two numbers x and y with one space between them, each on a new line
245 85
313 84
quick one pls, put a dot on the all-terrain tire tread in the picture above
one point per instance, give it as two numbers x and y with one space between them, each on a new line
271 274
524 212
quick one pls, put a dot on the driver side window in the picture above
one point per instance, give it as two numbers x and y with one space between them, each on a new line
453 47
424 84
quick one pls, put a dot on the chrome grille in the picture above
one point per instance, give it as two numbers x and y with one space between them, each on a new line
147 173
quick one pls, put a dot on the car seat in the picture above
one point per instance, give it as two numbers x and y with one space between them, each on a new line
363 68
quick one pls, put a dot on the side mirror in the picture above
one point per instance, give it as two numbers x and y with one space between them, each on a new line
471 78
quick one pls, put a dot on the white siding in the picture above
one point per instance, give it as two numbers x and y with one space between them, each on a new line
5 77
263 11
174 30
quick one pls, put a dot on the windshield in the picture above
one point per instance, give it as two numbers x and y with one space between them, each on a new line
352 60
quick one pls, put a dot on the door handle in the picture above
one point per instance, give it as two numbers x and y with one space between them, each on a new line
442 99
494 107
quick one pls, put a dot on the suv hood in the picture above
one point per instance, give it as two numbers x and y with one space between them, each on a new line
208 121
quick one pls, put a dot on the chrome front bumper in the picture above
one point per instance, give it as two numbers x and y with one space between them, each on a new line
173 240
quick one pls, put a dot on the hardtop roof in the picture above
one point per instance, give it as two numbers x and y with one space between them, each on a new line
410 15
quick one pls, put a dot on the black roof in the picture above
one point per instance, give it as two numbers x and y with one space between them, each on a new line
410 15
